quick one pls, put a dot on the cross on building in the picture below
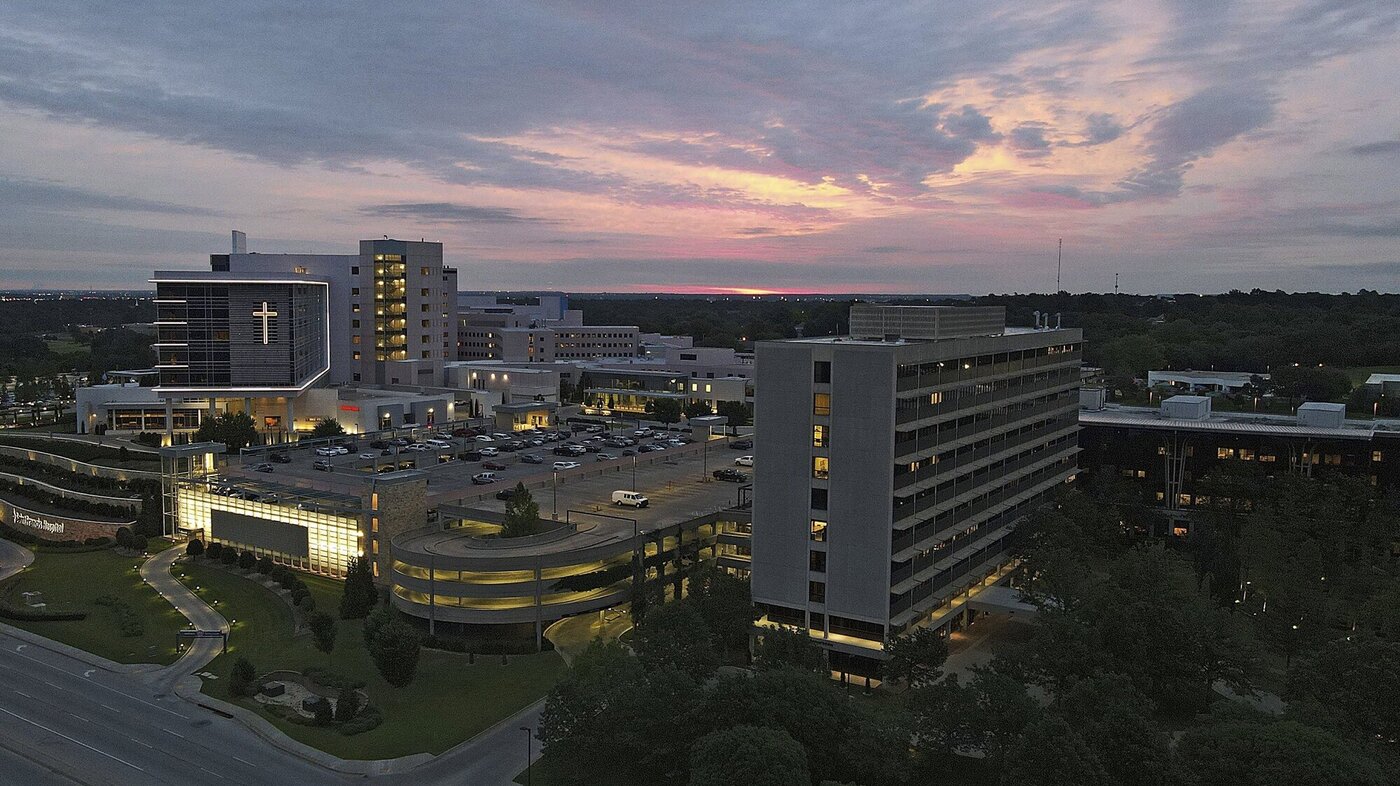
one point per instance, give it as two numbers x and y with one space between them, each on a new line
266 314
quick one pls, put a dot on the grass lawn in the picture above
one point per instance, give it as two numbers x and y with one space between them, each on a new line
74 581
448 702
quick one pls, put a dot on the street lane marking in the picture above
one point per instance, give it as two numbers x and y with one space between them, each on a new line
107 687
22 693
177 734
245 761
70 739
88 674
113 709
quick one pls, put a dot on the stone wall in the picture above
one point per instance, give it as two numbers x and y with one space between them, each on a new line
49 526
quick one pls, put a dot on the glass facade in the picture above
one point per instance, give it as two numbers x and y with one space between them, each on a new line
332 538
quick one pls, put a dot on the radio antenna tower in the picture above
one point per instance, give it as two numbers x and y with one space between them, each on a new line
1059 254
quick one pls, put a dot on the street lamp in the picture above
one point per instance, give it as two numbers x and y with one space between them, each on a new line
528 753
556 494
634 471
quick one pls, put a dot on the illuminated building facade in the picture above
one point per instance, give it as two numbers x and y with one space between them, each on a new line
892 465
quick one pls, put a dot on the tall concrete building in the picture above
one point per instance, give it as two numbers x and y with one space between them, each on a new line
892 464
402 313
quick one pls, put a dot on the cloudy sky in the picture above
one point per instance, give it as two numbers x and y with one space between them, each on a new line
1188 145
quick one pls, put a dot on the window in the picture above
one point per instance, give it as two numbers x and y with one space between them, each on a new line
818 531
354 323
935 398
816 561
820 466
425 323
355 308
1267 458
821 371
1224 453
355 339
423 271
354 271
1246 454
819 436
425 307
1375 455
821 403
355 356
354 290
819 499
424 291
816 591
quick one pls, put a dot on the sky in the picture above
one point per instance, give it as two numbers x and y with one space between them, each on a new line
1187 145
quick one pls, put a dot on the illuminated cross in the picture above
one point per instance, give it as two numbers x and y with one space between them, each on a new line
266 314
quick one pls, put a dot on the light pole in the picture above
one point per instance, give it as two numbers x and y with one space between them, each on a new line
528 753
556 494
634 471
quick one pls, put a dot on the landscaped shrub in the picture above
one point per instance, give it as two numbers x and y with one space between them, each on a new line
229 557
369 718
242 677
214 551
347 705
280 574
26 614
265 565
323 713
307 603
194 548
247 560
128 620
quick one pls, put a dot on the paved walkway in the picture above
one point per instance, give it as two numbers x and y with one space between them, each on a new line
156 572
13 559
572 635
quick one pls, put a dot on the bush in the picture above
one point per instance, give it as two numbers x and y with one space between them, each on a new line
323 630
242 677
265 565
369 718
214 551
323 713
307 604
229 556
194 548
26 614
280 574
128 621
149 439
347 705
247 561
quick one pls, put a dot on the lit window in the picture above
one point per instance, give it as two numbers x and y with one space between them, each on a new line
819 530
819 436
820 466
935 398
821 403
1375 455
1225 453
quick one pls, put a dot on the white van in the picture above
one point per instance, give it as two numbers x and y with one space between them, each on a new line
633 498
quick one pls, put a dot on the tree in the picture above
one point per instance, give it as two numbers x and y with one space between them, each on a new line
522 513
753 755
194 548
666 410
697 409
359 594
347 703
1050 753
917 657
323 630
1356 680
241 677
1311 383
789 648
724 602
395 648
235 429
1254 750
247 561
740 413
675 635
1116 721
326 427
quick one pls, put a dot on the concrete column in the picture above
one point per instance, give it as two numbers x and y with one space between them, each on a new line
291 416
169 421
539 608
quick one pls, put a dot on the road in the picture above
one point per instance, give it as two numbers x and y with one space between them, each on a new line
63 720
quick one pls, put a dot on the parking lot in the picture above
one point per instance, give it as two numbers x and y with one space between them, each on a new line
672 476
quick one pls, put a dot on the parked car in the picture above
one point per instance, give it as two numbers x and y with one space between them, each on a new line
642 432
649 448
560 466
262 467
341 450
490 452
470 455
741 444
499 436
482 438
386 468
531 458
629 498
593 447
439 444
379 444
484 478
496 465
730 475
327 451
563 450
628 452
399 442
744 461
321 464
605 457
505 494
370 455
279 458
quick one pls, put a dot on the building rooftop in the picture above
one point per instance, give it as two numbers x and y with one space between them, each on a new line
1383 379
1236 422
1241 376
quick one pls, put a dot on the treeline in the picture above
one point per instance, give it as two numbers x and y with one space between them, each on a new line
1126 334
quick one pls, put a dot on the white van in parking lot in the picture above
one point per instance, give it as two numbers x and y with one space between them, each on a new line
632 498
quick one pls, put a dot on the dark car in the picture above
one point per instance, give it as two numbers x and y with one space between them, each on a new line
531 458
563 450
379 444
628 452
593 447
649 448
470 455
279 458
730 475
505 494
495 465
262 467
741 444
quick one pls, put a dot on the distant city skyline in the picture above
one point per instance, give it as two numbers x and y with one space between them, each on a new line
730 148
